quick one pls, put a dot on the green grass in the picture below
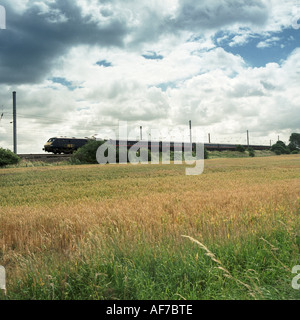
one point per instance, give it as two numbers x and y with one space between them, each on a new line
167 272
237 154
116 231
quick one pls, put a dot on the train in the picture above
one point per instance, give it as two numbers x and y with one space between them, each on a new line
180 146
65 145
58 145
232 147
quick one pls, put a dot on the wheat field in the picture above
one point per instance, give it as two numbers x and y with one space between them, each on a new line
135 232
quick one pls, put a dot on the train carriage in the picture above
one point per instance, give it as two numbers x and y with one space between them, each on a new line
58 145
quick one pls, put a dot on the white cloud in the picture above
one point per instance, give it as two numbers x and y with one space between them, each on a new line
193 80
268 42
240 40
220 103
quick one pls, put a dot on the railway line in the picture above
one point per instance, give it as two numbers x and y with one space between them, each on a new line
45 157
59 145
50 157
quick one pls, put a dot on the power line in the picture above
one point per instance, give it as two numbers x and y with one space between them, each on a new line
27 116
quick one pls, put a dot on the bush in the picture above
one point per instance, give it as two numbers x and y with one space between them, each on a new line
142 154
7 157
205 154
280 148
295 152
87 153
251 152
294 141
240 148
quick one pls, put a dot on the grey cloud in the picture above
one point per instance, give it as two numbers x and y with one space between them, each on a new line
244 90
267 85
209 14
32 42
106 12
199 17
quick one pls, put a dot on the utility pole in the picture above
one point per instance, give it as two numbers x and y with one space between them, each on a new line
209 138
248 138
141 132
15 121
190 124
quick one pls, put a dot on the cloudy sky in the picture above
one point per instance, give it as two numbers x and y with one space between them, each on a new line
81 66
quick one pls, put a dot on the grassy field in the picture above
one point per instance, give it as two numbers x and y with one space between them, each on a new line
150 232
237 154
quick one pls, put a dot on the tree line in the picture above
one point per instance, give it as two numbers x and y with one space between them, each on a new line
87 153
293 147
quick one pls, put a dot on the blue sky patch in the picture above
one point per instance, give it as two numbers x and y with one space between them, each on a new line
260 50
151 55
63 82
103 63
